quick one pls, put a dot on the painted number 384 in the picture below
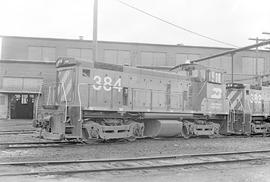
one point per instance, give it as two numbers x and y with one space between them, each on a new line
107 83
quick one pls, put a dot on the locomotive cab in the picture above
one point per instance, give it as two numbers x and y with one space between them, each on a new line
207 89
55 116
207 97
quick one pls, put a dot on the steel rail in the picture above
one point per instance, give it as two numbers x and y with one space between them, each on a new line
128 164
22 130
42 144
17 133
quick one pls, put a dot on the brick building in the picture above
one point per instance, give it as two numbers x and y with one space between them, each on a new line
26 62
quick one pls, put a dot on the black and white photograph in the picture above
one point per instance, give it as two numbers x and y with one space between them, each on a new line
135 90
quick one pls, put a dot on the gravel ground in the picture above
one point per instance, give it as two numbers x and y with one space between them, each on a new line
137 148
256 171
7 125
143 148
6 138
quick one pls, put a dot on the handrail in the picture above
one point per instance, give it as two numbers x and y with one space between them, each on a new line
202 88
62 85
249 106
79 97
241 104
39 92
49 94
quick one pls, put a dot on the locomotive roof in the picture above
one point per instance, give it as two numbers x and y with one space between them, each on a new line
65 61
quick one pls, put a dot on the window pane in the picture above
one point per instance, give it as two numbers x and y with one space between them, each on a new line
124 58
48 53
147 58
159 59
13 83
2 100
74 52
32 84
226 64
110 56
181 59
192 57
86 73
34 53
87 54
261 66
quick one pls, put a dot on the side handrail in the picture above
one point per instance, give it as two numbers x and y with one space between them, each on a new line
39 93
241 104
49 95
79 98
201 88
249 106
62 85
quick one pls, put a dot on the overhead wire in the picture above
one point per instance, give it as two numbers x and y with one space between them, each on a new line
175 25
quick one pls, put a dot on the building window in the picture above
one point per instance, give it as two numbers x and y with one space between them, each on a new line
182 58
34 53
153 58
41 53
250 65
2 100
48 53
80 53
0 48
224 63
120 57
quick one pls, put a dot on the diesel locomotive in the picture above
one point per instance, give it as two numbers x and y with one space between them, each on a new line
95 100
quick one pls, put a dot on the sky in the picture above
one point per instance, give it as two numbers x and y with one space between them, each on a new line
231 21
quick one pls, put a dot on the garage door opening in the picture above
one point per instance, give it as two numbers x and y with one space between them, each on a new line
21 106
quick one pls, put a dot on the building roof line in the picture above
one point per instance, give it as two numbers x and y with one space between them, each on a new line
26 61
115 42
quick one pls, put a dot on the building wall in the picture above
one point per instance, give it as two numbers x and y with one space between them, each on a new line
3 105
17 77
45 49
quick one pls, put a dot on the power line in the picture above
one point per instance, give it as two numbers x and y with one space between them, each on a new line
175 25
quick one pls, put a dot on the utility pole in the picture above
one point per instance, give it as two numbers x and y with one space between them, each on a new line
266 33
95 24
232 54
256 57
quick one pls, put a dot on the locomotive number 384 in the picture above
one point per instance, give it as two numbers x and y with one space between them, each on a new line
106 83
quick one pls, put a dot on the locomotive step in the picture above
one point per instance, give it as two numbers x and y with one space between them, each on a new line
70 126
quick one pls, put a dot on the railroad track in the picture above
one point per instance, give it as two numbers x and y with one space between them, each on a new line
17 132
41 144
128 164
45 144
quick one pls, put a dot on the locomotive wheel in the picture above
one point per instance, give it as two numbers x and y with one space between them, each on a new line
185 132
